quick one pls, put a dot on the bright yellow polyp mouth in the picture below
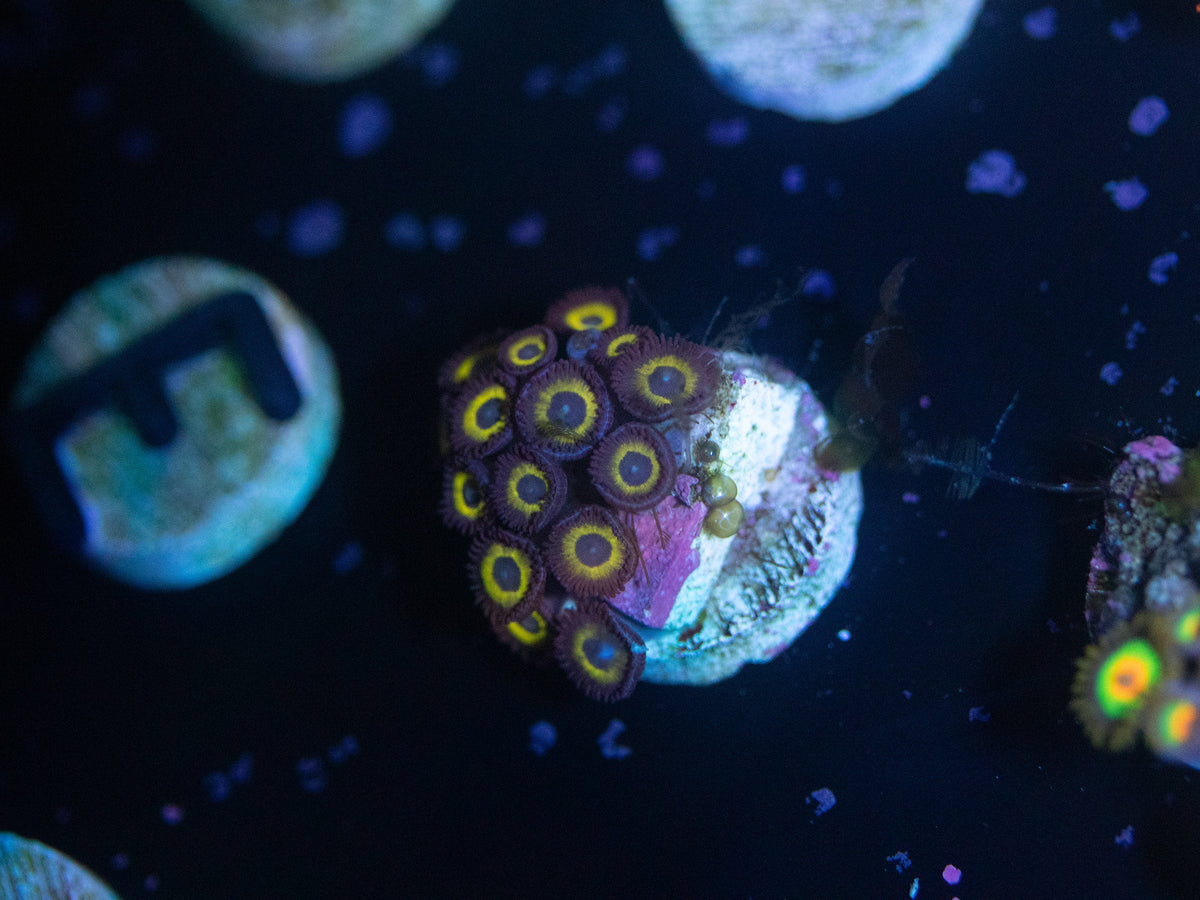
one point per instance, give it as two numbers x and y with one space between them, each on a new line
1178 723
1129 672
606 676
514 478
470 419
465 369
1187 631
527 636
620 344
514 352
550 428
591 315
646 369
636 490
599 572
461 506
502 597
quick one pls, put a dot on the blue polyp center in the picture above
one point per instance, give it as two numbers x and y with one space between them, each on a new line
600 652
581 342
528 352
635 468
567 410
506 573
531 489
471 496
666 381
488 414
593 550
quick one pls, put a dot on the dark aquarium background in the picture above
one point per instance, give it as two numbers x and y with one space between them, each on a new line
335 719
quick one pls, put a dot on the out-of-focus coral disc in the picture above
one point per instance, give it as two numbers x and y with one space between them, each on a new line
148 418
29 868
322 40
829 60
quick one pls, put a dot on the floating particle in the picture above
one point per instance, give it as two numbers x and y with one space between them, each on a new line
900 860
978 714
1128 193
645 163
91 102
241 769
995 172
539 81
824 799
792 179
611 115
748 255
611 61
1041 24
120 861
608 741
1136 330
218 786
528 231
172 813
910 497
138 144
312 774
1125 27
446 233
727 132
1110 373
818 283
844 635
914 888
653 241
315 229
343 750
439 63
366 124
1148 115
951 874
1161 266
348 558
150 883
542 736
1168 388
1125 838
404 231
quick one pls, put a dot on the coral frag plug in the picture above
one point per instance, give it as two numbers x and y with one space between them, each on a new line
641 506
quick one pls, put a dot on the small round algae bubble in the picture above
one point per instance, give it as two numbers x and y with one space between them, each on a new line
725 521
829 60
719 490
